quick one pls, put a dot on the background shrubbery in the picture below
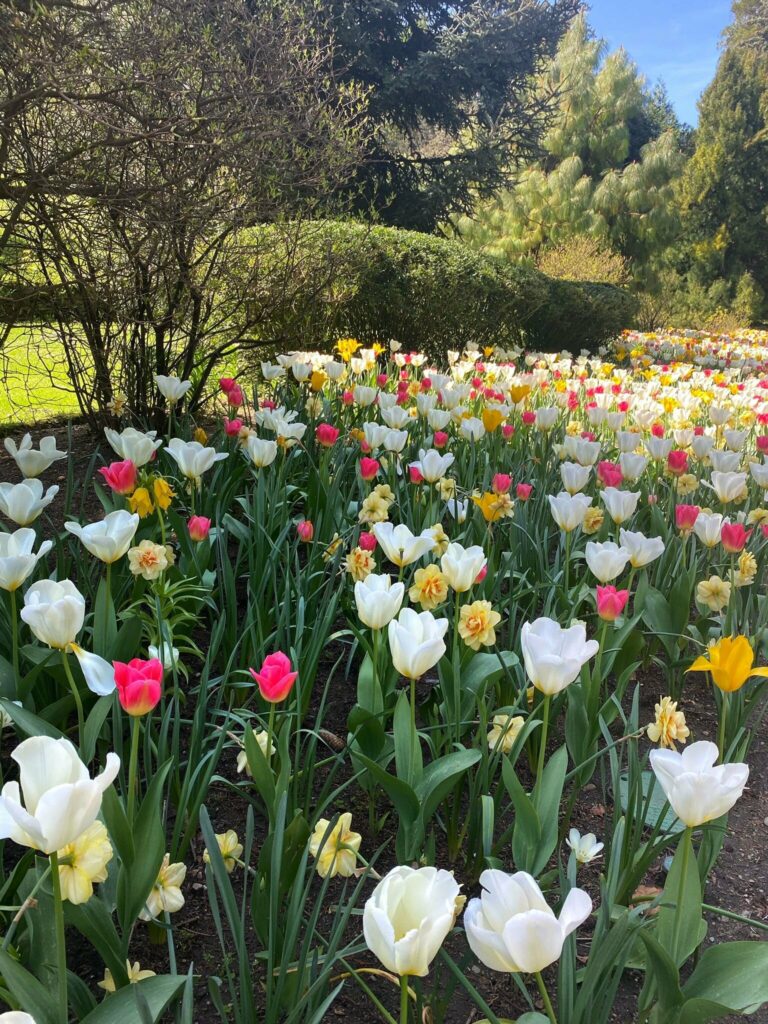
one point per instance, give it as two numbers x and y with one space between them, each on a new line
433 295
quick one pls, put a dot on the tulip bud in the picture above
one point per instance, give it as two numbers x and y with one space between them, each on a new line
611 602
139 685
275 677
120 476
501 483
440 439
306 530
369 469
686 516
524 491
367 541
199 527
326 435
734 537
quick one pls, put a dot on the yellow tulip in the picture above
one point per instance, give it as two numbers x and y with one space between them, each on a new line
518 392
141 502
730 663
492 419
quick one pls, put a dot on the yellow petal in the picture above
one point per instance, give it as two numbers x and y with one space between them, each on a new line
700 665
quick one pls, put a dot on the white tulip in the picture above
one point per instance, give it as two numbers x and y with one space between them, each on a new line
575 477
606 561
408 916
416 642
301 372
553 656
22 503
261 453
760 474
708 527
432 465
395 418
32 463
401 546
438 419
364 396
60 800
697 790
546 417
16 1017
702 445
511 928
728 486
568 510
586 453
395 440
133 444
55 612
458 509
659 447
718 415
109 539
627 441
17 558
621 505
472 428
642 550
724 462
172 388
193 458
270 371
375 433
735 439
632 466
378 600
461 566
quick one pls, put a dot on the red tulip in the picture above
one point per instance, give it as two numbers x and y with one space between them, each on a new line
367 541
686 516
232 427
120 476
305 530
440 439
524 491
415 474
369 469
275 677
139 685
501 483
677 462
734 537
609 474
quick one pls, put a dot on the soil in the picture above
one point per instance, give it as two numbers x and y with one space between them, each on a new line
739 882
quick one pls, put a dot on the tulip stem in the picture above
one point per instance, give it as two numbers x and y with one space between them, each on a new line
25 906
686 840
545 997
15 643
403 999
270 731
543 739
78 699
132 767
61 948
723 719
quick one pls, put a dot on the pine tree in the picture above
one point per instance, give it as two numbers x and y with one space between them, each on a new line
611 156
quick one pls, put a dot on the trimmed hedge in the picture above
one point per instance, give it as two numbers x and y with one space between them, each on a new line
434 294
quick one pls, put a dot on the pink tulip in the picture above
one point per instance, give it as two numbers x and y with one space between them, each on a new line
235 397
227 383
734 537
369 469
367 541
305 530
677 462
524 491
528 418
686 516
415 474
501 483
347 397
139 685
275 677
440 439
232 427
507 431
609 474
611 602
120 476
326 434
199 527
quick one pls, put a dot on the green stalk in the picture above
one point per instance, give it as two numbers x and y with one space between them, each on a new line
686 840
15 643
270 731
723 719
545 997
26 905
543 740
78 699
403 999
132 767
456 661
61 948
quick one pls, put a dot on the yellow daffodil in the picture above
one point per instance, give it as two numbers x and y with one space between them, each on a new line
84 862
359 563
141 502
163 492
430 587
669 727
134 972
477 622
230 847
504 731
337 855
729 662
494 506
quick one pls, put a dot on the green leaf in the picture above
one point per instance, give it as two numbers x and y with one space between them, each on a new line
527 830
681 897
28 723
135 881
94 921
408 758
400 793
260 769
441 776
124 1006
93 726
663 972
546 800
104 621
656 803
31 994
116 820
732 976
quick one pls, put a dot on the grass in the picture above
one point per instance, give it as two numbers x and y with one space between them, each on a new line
34 377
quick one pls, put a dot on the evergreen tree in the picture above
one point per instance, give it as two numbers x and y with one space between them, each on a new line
724 191
611 155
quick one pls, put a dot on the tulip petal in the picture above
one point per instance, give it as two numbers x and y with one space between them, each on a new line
98 674
576 909
534 940
700 665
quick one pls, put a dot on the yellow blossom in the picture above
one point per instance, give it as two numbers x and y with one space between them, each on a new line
374 509
686 484
118 405
149 560
714 593
346 347
141 502
200 436
504 732
757 517
336 850
430 587
166 896
332 548
446 487
164 494
441 539
384 491
267 748
230 848
729 661
669 727
134 972
492 419
84 862
317 380
593 520
476 624
359 563
494 506
519 392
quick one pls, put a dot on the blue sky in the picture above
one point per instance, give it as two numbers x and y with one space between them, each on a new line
676 41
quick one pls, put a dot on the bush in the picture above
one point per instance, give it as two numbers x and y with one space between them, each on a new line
583 258
434 294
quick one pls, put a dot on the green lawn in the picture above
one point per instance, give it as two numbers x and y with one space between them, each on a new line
34 376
